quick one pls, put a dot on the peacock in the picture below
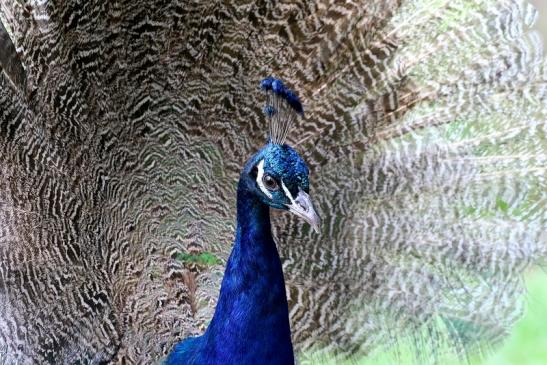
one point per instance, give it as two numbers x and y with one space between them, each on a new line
125 127
251 321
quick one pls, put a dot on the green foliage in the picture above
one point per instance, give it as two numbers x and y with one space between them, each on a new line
502 205
203 259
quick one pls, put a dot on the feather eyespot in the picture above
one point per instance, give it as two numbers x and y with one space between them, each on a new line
270 183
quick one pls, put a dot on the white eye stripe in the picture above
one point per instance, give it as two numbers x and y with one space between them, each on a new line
288 193
259 176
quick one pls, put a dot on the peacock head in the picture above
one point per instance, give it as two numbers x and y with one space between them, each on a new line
277 174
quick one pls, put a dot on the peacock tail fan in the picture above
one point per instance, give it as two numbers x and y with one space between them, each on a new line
124 126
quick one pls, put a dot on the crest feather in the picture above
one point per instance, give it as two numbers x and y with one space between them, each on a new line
282 108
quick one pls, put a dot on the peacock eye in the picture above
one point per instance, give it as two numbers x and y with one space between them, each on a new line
269 182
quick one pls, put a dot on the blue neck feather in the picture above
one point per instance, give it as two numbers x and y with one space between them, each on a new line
251 321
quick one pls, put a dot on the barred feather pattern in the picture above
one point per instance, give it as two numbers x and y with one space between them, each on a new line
425 134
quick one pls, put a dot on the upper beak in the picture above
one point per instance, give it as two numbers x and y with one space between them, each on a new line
303 207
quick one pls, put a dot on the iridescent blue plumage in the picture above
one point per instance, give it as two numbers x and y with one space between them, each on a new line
251 320
266 84
282 107
279 90
269 111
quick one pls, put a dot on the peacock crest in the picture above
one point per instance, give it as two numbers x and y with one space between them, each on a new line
282 108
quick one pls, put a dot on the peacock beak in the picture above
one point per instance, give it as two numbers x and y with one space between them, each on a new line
302 207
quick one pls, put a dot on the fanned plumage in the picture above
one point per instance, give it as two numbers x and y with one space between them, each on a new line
424 132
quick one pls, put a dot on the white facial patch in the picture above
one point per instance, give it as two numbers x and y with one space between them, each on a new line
288 193
259 177
302 207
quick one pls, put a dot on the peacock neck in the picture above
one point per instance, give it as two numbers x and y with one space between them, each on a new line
251 321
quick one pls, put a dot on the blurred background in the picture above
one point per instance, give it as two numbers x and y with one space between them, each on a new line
527 342
542 21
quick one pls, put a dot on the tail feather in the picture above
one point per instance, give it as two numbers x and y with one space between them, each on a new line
425 133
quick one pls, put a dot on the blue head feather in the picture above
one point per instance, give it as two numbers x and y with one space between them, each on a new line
284 164
279 90
294 101
269 111
266 84
282 108
278 87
